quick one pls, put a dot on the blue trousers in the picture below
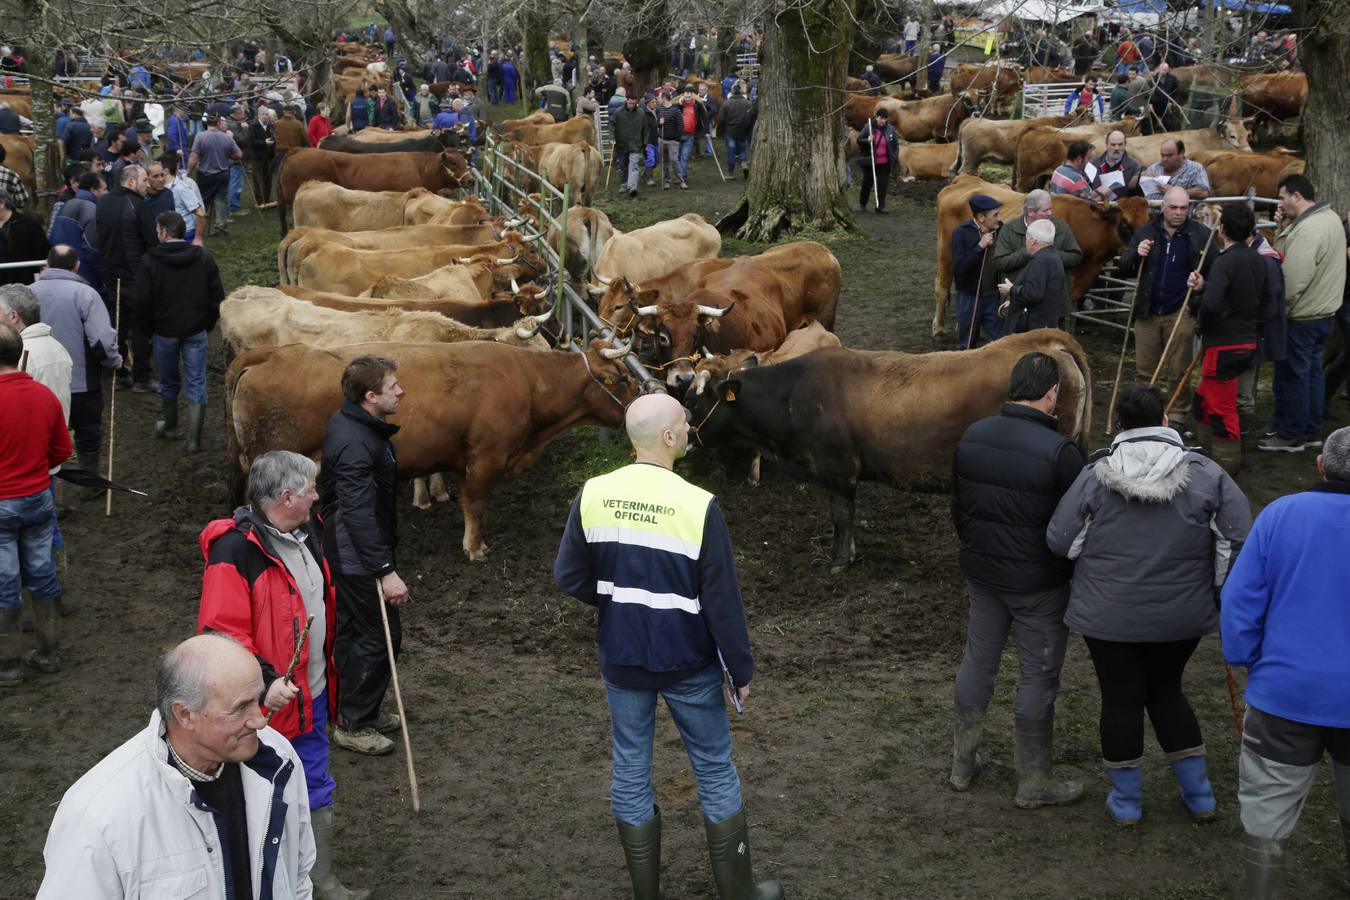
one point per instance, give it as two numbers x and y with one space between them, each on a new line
700 713
236 190
686 150
312 748
58 539
26 548
1299 380
192 351
989 322
737 151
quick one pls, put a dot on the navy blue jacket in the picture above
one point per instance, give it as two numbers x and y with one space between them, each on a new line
966 257
357 480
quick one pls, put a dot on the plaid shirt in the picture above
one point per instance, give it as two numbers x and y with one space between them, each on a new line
11 184
1190 175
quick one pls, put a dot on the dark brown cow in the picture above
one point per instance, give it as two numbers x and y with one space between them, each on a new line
1004 79
1232 172
1048 75
483 412
937 118
1274 96
838 416
447 170
1101 231
892 67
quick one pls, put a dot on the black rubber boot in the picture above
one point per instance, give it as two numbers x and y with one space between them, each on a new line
1034 754
729 851
642 850
167 427
1345 837
47 633
1262 858
325 881
966 766
89 462
196 419
11 670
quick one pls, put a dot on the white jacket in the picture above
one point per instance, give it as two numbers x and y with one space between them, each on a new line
134 827
48 362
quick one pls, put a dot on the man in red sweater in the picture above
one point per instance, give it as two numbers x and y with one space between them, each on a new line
33 440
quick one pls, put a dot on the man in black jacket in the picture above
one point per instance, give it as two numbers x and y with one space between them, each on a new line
1228 305
1009 472
631 129
357 493
669 129
735 121
1034 298
973 270
1168 248
385 114
178 296
125 232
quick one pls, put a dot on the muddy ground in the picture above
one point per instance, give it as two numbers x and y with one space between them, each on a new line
843 750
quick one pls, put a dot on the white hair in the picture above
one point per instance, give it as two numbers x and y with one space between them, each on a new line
1042 231
1336 455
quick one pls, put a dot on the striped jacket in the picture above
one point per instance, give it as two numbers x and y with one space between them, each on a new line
651 551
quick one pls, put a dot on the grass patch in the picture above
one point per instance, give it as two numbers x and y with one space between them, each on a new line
588 455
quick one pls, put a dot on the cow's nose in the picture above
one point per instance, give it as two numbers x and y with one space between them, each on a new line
680 376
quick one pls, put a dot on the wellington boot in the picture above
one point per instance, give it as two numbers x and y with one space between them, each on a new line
1196 792
47 633
326 884
89 462
1034 755
966 765
729 851
1345 838
167 427
1228 454
1125 803
1204 437
196 419
1262 858
11 670
642 851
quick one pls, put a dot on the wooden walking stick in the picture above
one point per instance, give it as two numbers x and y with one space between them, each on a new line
112 403
295 660
975 310
1124 345
1182 383
1181 314
1232 699
872 158
398 699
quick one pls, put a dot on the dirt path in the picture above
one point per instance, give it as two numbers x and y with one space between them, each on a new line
843 751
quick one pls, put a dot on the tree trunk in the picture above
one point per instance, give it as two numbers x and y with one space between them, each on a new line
579 48
537 69
647 48
1324 54
47 153
797 154
413 36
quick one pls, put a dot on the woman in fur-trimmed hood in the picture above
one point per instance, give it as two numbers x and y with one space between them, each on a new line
1152 527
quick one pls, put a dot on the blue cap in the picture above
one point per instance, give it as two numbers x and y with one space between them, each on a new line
983 203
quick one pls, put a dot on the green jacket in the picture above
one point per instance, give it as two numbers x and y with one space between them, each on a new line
630 129
1011 257
1314 263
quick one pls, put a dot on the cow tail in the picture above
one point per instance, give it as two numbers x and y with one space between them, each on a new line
235 476
1084 410
283 202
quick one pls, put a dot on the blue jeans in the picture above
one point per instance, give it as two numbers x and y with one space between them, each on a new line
494 91
312 748
686 149
26 550
193 353
736 151
989 322
236 191
58 539
1299 381
700 713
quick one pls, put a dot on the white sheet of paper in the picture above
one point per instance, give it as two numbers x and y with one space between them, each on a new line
1090 172
1113 179
1153 184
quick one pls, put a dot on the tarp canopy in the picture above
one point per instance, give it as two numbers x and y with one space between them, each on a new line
1036 10
1265 9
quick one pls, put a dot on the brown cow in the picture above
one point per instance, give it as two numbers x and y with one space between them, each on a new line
1048 75
928 162
1003 79
447 170
858 108
482 411
588 233
19 158
1232 172
1041 150
340 270
1274 96
715 368
564 165
538 117
657 249
841 416
893 67
434 241
499 311
320 204
380 136
995 140
576 130
936 118
1101 230
1227 134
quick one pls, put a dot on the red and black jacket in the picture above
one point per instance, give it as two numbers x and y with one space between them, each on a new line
249 595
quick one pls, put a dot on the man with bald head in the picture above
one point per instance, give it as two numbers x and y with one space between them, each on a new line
652 553
206 800
1116 160
1167 248
1173 169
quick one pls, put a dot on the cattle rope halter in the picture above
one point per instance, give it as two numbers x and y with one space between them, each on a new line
698 435
585 361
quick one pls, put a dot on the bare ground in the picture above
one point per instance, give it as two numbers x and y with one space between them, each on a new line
843 750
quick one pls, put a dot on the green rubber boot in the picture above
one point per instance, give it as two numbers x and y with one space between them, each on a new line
966 765
1034 754
1263 858
47 634
642 851
11 670
729 851
196 419
166 428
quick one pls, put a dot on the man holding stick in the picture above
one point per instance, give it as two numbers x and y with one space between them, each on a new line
265 576
972 262
357 491
1228 306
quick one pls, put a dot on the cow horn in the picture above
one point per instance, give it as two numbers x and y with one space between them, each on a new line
707 354
616 352
513 223
526 332
543 316
646 310
712 311
595 290
515 288
602 279
464 259
701 381
507 262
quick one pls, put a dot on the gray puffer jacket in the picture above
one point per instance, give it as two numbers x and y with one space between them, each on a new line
1153 528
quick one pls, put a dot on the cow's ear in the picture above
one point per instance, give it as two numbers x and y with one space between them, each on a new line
647 297
751 362
729 388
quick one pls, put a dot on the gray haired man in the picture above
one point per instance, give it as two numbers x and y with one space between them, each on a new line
1011 255
204 796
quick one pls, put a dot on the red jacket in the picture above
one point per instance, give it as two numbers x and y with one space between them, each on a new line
33 436
249 595
320 127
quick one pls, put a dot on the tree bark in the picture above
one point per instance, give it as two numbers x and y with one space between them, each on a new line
1324 53
410 34
537 69
647 48
797 155
579 48
47 154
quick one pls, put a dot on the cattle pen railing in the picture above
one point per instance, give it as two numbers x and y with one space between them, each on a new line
1108 299
503 185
